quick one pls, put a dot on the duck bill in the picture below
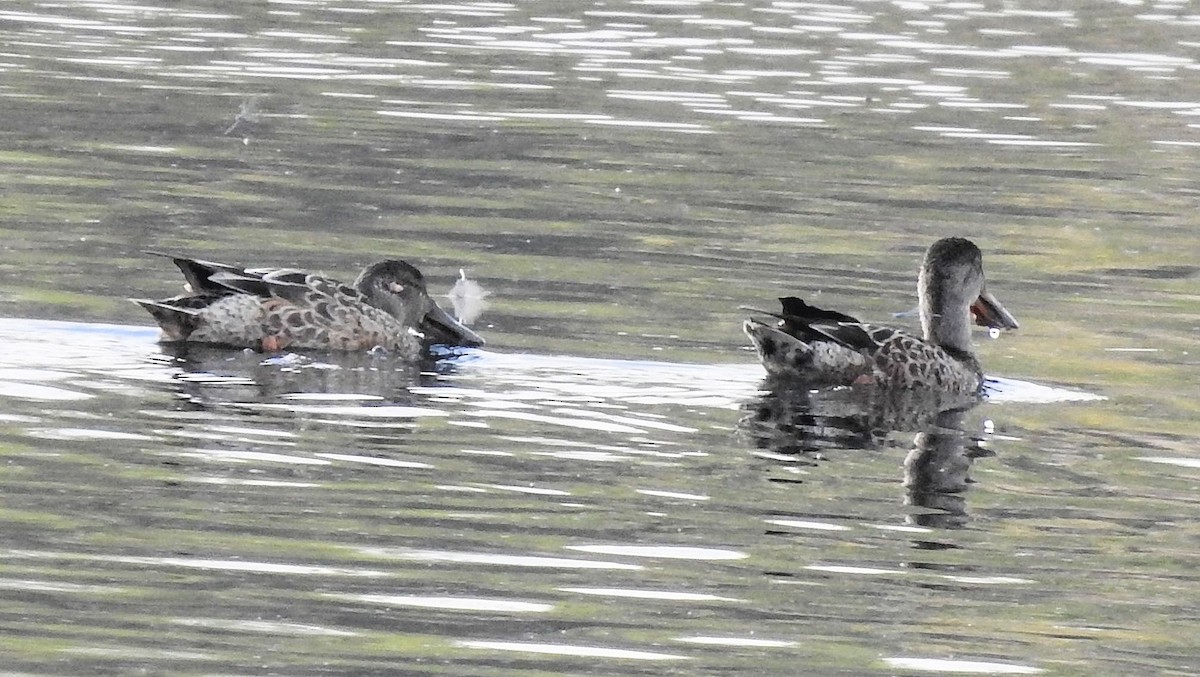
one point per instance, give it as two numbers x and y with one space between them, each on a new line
989 312
439 327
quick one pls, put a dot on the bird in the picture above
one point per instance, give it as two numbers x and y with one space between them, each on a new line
821 347
276 309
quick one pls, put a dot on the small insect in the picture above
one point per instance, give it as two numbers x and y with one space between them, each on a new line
248 113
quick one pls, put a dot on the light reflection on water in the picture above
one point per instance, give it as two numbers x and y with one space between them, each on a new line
571 650
958 667
344 484
855 66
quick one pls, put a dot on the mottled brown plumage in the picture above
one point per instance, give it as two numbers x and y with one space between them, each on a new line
822 347
275 309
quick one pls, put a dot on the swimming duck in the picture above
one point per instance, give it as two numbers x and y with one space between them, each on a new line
272 309
824 347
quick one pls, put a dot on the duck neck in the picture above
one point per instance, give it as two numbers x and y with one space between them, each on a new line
945 319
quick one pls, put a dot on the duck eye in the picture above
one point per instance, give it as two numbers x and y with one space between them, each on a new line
395 287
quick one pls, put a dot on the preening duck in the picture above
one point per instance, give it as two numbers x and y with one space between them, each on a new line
272 309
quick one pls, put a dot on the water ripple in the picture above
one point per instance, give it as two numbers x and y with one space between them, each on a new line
449 603
661 551
670 595
264 627
738 641
570 650
496 559
961 666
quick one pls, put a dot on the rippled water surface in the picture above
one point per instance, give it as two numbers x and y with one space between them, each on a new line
603 489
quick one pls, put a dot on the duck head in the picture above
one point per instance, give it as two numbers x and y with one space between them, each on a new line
953 292
399 289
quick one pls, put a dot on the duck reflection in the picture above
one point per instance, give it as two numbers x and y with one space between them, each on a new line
803 423
937 471
220 375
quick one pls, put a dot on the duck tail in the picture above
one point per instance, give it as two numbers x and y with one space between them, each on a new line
177 323
809 361
780 352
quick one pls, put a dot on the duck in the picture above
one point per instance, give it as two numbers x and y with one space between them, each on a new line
275 309
819 347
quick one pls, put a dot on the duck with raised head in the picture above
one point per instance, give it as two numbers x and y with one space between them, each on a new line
821 347
272 309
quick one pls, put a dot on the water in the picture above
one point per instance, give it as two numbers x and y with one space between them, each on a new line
603 490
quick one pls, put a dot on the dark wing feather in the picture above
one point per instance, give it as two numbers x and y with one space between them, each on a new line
801 320
241 284
856 335
294 286
198 273
797 310
287 275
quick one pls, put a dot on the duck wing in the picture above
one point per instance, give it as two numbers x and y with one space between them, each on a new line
801 320
239 283
810 323
212 278
859 336
198 273
309 289
306 310
286 283
795 309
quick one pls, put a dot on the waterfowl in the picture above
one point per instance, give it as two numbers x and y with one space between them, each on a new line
272 309
824 347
